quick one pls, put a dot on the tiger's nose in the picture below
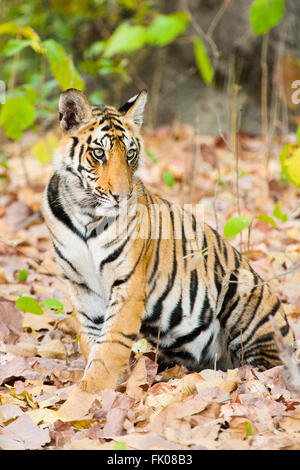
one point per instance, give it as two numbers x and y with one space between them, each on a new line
120 197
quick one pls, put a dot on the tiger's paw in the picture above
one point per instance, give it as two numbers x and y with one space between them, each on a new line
95 380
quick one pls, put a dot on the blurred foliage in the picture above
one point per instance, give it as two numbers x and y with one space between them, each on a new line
265 14
40 41
290 162
47 45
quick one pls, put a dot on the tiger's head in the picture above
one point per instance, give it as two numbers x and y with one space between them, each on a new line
101 145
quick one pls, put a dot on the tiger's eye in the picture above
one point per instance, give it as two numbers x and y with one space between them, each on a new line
131 154
98 153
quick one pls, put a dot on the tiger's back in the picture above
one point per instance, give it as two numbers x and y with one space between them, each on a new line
137 263
206 304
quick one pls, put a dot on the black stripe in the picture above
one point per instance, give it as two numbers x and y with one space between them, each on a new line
237 257
59 253
132 337
183 239
97 320
157 251
204 309
79 158
176 315
107 127
105 222
75 143
157 309
225 252
193 288
273 311
119 128
121 235
204 250
218 238
114 255
56 205
205 350
228 298
218 267
190 336
114 341
83 286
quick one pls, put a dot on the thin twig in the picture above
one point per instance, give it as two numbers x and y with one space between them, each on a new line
156 82
248 241
221 134
14 68
218 17
235 150
264 97
215 362
194 160
158 337
199 30
242 348
289 271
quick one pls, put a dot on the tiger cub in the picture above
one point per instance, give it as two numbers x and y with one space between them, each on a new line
136 263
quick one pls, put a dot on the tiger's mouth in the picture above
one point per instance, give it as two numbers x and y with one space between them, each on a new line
110 201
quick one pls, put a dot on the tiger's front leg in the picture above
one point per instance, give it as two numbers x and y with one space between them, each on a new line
109 355
89 309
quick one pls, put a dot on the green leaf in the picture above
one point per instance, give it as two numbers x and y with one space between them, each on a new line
140 346
94 49
43 149
23 275
29 305
13 46
9 28
267 219
298 134
249 428
242 173
165 28
120 445
278 214
203 61
151 156
265 14
25 91
62 67
53 304
222 182
125 38
236 225
168 179
17 114
290 163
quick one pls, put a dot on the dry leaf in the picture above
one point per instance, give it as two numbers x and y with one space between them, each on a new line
78 404
16 367
137 378
9 412
23 434
54 349
22 349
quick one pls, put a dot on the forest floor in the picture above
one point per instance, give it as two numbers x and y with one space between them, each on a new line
41 406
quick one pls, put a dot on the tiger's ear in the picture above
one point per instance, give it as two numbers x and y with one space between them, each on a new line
134 108
74 109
